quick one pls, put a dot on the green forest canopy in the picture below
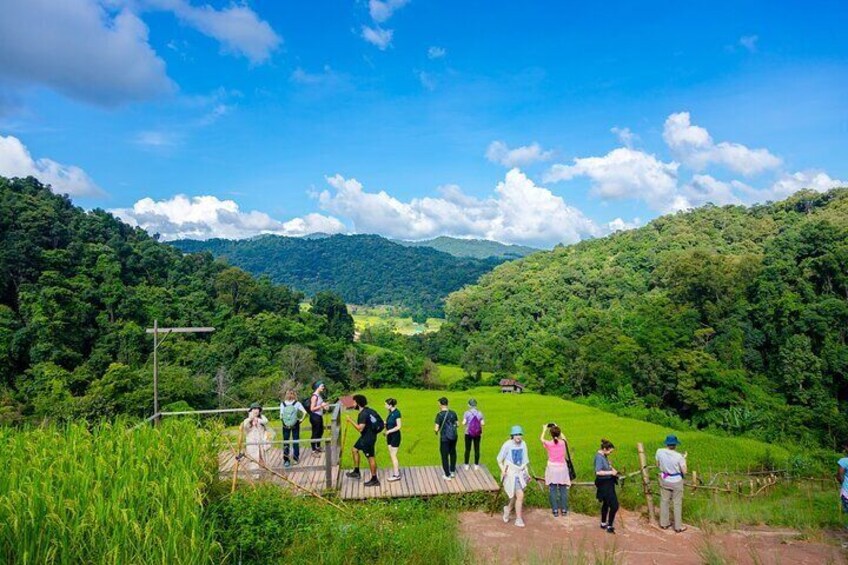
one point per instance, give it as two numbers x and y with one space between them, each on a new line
731 317
362 269
78 289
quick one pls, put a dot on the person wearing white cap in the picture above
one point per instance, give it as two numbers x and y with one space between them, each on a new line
513 459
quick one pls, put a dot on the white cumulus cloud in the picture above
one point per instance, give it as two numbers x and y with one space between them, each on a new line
378 36
626 173
382 10
16 161
204 217
500 152
695 147
80 49
435 52
518 212
238 28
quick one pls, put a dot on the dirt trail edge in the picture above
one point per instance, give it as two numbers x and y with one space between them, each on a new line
578 537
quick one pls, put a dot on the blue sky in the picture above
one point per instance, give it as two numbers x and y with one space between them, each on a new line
533 122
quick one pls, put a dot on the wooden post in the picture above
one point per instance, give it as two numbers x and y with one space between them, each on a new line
646 483
156 372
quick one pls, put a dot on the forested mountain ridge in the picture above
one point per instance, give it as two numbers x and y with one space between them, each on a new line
363 269
732 317
476 248
78 289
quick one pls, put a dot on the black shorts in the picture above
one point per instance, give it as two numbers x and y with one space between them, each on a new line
365 444
393 439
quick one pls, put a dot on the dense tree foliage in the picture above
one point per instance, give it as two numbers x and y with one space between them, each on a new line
732 317
477 248
362 269
78 289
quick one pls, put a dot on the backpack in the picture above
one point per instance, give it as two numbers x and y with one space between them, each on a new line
289 415
448 427
474 427
375 422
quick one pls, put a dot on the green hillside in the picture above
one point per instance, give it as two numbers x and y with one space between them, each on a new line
78 289
733 318
476 248
363 269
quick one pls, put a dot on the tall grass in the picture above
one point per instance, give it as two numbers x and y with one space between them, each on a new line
106 495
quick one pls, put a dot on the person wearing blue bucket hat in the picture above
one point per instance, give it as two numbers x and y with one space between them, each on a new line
514 459
672 466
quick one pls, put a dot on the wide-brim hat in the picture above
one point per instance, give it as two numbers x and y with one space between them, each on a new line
671 439
516 431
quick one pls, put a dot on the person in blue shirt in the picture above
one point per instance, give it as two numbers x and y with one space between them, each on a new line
842 477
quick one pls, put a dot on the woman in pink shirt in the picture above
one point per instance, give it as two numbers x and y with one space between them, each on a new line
556 473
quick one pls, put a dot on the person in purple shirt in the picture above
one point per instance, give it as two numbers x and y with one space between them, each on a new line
473 422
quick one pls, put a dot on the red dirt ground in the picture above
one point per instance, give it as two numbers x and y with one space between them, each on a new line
546 539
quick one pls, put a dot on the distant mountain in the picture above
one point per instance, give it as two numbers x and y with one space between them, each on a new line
363 269
475 248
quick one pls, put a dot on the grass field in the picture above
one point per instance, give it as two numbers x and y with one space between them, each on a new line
374 316
800 505
449 374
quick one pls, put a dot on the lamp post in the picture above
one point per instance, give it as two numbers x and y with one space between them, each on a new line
156 330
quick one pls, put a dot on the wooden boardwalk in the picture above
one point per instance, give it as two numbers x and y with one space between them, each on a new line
418 481
309 472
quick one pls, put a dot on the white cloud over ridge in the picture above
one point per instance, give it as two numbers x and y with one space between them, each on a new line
16 161
626 173
499 152
695 147
519 212
204 217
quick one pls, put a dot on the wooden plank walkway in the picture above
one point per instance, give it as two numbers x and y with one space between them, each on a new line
417 481
309 472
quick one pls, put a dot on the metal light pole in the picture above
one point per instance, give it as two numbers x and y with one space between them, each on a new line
156 330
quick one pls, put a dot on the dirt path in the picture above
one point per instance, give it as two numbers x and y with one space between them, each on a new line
560 540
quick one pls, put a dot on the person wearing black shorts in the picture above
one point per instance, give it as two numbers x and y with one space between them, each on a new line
392 432
367 440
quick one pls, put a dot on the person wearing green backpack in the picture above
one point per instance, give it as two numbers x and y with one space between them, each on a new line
292 413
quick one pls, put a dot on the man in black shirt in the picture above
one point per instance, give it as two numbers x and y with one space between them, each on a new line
445 426
365 424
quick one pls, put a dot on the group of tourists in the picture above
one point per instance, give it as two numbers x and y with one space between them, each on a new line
513 457
446 426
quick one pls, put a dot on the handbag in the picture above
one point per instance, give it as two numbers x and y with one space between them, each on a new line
572 474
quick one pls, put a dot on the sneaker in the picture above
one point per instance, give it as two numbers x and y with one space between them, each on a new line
372 482
447 478
563 514
506 515
286 464
519 522
610 530
603 525
476 467
556 513
394 478
353 475
465 467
